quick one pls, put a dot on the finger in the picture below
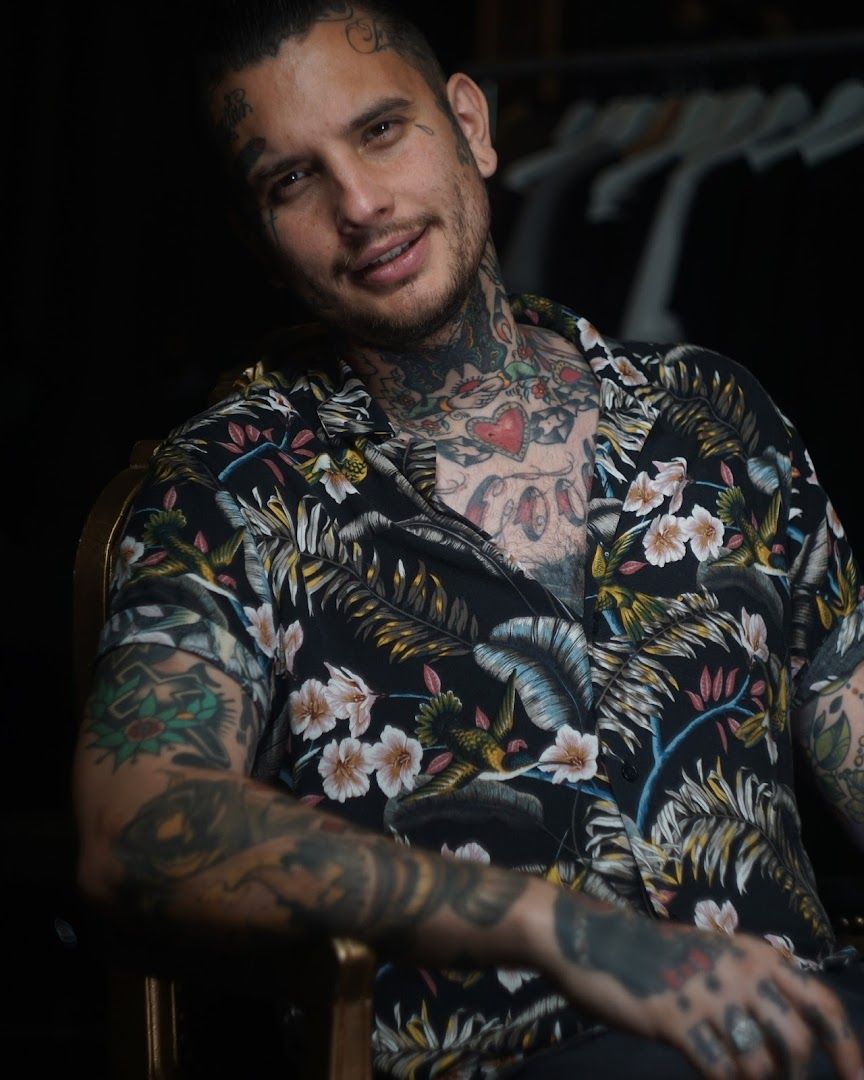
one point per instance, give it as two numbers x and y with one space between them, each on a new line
789 1036
707 1052
823 1012
747 1043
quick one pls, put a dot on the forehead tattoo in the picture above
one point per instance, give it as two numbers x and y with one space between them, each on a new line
364 33
234 108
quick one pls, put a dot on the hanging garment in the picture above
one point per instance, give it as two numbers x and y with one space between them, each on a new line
843 106
649 311
529 262
695 124
616 124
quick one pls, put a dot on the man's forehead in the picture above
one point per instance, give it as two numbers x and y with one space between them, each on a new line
328 73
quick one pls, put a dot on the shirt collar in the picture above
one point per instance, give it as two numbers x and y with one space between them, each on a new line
351 411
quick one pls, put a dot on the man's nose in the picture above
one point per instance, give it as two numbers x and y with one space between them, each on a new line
362 198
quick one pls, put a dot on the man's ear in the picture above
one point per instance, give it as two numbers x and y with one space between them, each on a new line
471 110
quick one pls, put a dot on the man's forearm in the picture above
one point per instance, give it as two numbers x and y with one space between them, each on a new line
223 854
229 854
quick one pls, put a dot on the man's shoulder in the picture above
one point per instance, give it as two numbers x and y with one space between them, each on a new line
290 375
688 366
640 366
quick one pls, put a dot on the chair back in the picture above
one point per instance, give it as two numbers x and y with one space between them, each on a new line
94 563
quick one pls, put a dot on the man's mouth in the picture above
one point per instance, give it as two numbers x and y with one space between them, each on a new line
380 255
388 256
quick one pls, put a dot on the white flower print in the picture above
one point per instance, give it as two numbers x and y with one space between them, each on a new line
396 759
336 483
345 768
311 714
705 533
783 944
350 698
470 852
664 541
573 756
130 552
288 645
711 916
262 627
589 336
513 978
671 479
754 635
643 496
630 375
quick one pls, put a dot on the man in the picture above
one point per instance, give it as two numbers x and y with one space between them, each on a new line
470 633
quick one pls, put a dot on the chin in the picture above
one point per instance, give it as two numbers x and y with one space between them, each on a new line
417 321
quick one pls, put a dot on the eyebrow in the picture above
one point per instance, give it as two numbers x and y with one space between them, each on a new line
379 108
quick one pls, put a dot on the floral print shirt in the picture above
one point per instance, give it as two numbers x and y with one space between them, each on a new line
421 684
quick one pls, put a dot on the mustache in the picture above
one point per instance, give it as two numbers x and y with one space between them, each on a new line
346 262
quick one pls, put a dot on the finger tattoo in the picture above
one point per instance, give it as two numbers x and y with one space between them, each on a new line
767 989
704 1042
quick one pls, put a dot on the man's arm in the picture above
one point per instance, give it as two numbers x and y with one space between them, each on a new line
829 728
173 831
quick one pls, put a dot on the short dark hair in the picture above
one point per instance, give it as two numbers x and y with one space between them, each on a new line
234 34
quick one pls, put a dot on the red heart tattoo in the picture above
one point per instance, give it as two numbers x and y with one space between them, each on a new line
506 431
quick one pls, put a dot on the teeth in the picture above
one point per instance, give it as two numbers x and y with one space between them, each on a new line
390 255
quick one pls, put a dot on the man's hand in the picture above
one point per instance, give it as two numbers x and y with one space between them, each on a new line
735 1007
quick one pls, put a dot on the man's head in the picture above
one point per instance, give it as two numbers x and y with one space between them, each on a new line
364 166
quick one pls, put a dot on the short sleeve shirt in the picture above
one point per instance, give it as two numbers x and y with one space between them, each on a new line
418 682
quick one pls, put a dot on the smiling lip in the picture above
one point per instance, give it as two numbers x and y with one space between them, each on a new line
394 269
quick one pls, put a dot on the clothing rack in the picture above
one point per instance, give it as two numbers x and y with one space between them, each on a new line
817 61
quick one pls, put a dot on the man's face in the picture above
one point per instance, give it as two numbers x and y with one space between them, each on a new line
376 211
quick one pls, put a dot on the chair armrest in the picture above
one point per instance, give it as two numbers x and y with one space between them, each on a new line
166 998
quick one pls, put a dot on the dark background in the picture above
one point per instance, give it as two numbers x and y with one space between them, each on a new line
127 294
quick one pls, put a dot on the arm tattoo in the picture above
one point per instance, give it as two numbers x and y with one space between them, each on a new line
645 958
837 761
138 708
322 873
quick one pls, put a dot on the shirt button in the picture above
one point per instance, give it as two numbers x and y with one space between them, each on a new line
629 772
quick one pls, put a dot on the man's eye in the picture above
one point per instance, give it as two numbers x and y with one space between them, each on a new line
289 179
382 131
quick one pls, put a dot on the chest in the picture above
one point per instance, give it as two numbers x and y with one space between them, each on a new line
527 487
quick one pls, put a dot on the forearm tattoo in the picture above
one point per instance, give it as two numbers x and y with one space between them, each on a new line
321 873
